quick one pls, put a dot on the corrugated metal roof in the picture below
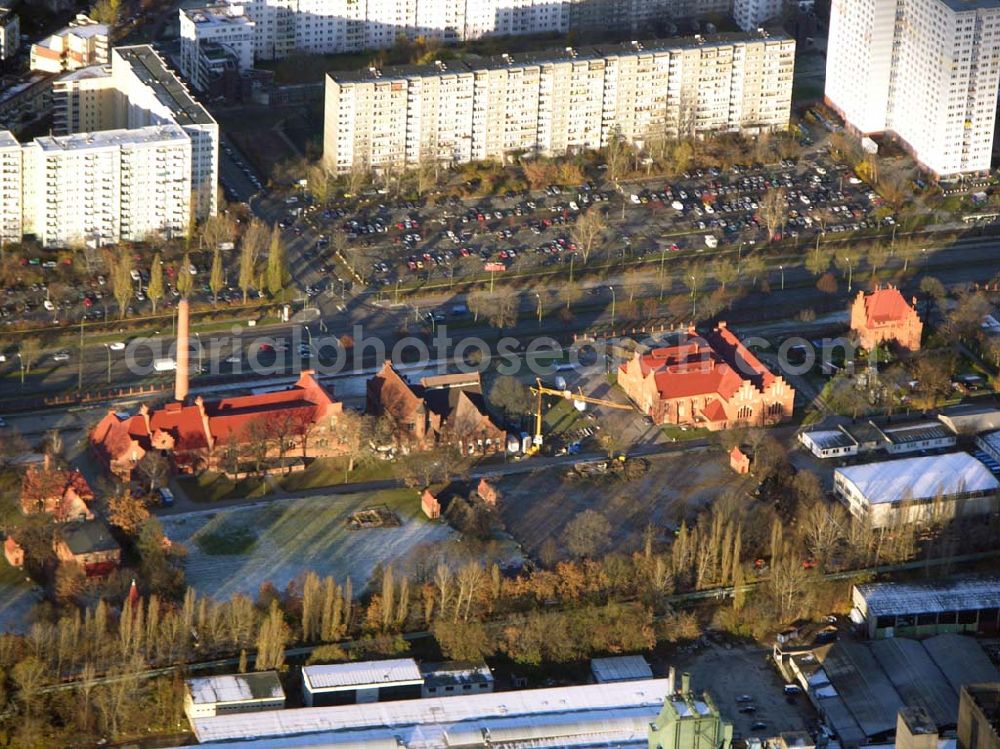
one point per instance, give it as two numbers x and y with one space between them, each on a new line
621 668
918 680
235 688
430 718
961 659
951 594
365 673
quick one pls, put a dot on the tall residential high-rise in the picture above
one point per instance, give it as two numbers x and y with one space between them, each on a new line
926 71
556 102
214 38
282 27
134 154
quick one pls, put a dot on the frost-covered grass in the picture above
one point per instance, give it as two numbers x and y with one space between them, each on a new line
291 537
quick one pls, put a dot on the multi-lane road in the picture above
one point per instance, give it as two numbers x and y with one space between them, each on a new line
278 349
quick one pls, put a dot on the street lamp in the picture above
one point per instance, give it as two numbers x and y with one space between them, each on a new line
850 273
107 347
20 361
782 269
539 298
613 299
694 297
198 338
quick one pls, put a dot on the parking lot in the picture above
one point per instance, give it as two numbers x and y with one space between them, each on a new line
387 243
733 673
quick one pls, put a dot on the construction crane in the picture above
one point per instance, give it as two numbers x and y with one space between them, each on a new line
578 399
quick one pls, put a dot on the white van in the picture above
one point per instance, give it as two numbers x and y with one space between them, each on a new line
164 365
711 241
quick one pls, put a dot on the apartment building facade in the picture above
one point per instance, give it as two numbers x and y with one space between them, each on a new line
219 28
925 71
107 186
84 101
10 34
84 42
333 26
134 155
555 103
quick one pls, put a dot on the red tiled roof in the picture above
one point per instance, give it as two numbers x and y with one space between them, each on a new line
39 484
886 305
714 411
227 418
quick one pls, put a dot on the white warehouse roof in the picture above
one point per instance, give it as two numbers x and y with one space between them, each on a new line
235 688
926 597
618 707
363 674
919 478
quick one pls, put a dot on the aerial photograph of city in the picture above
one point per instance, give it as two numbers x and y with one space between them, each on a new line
500 374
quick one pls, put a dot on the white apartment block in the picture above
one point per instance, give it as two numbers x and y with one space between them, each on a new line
283 27
107 186
11 213
84 42
84 101
151 94
926 71
221 27
552 104
10 34
751 14
135 155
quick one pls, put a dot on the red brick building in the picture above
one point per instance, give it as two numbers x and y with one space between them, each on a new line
199 435
446 409
884 315
63 494
713 382
89 544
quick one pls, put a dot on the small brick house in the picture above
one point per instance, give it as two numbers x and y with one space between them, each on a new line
430 505
884 315
739 461
63 494
712 381
88 543
13 552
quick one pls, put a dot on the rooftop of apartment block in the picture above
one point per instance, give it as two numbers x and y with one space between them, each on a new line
151 69
583 54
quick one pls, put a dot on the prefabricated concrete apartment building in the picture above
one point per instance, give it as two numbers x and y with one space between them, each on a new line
556 102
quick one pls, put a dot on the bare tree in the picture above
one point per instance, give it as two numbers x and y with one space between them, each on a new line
254 241
217 279
185 280
155 468
773 209
588 233
29 350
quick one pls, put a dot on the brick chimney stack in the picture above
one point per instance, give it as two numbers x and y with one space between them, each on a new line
182 374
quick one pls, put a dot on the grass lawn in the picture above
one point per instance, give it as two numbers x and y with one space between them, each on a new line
331 472
561 418
677 434
227 541
237 549
212 487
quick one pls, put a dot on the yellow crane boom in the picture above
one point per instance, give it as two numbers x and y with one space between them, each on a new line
539 390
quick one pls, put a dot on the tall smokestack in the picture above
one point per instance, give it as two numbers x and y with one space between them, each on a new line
181 378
